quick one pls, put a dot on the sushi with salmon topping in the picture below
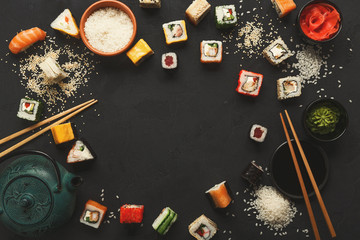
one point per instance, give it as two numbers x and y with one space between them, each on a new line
25 39
220 195
283 7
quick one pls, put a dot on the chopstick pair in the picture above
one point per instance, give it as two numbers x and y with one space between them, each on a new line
72 112
301 181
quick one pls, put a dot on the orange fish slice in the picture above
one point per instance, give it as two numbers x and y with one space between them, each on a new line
25 39
284 7
220 195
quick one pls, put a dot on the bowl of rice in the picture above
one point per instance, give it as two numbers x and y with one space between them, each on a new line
108 27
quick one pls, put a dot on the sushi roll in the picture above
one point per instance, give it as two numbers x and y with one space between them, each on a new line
131 213
258 133
211 51
30 110
283 7
25 39
62 133
288 87
249 83
52 71
169 60
203 228
225 16
252 173
150 3
277 52
139 52
93 214
164 221
220 195
175 32
197 11
81 151
66 23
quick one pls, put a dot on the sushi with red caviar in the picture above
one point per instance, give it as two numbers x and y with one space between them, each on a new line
131 213
25 39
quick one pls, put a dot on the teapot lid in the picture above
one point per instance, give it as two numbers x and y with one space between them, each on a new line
27 200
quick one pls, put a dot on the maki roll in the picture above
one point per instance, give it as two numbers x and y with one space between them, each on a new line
277 52
30 110
252 173
139 52
258 133
131 213
220 195
225 16
164 221
52 71
249 83
175 32
288 87
197 11
150 3
62 133
169 60
93 214
203 228
211 51
283 7
81 151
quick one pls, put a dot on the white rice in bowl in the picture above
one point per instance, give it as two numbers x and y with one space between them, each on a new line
108 29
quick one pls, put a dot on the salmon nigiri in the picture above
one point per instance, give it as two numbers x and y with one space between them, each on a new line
25 39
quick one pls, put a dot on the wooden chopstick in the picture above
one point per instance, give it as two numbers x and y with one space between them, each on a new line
39 124
35 135
312 179
301 181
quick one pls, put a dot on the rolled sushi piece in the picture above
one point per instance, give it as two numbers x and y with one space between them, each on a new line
52 71
283 7
80 152
249 83
93 214
203 228
139 52
289 87
277 52
175 32
225 16
150 3
220 195
169 60
131 213
30 109
164 221
252 173
258 133
211 51
197 11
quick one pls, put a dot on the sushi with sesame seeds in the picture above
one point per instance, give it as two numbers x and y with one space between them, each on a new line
203 228
277 52
288 87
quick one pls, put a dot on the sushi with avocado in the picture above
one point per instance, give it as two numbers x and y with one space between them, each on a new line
169 60
220 195
249 83
211 51
288 87
225 16
258 133
93 214
175 32
30 110
203 228
164 221
277 52
80 152
131 213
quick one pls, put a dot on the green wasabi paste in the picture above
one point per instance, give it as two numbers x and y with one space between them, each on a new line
323 119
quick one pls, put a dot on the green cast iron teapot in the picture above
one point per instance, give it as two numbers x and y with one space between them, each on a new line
37 194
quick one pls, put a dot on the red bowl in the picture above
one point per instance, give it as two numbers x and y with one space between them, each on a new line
104 4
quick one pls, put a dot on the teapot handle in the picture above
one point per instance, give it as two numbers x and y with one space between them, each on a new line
36 152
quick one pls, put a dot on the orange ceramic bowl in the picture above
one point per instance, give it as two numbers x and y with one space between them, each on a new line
104 4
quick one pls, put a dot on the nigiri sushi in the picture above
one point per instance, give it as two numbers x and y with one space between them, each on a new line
283 7
25 39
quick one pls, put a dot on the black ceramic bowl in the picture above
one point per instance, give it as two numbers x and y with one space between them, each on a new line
308 39
341 126
283 172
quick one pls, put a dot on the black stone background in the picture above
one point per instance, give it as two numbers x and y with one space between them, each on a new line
164 138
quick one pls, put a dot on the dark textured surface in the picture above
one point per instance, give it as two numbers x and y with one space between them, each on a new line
164 138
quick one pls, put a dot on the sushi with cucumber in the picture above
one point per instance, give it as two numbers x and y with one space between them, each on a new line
164 221
197 11
93 214
80 152
131 213
249 83
175 32
277 52
211 51
30 110
288 87
220 195
203 228
225 16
